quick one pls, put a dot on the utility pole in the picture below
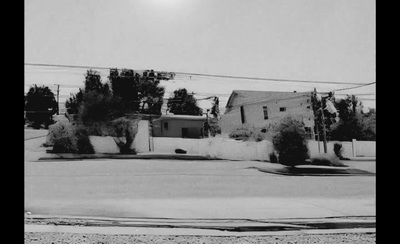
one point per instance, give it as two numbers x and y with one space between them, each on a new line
322 120
208 123
58 102
314 99
323 123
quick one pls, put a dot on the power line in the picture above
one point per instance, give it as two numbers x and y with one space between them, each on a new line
354 87
269 79
357 94
67 66
207 75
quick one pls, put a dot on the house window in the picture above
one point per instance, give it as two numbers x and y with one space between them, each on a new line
166 125
242 114
265 109
282 109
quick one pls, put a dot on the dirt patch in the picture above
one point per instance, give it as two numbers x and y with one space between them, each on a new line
72 238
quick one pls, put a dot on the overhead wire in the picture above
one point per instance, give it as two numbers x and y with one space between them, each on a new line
355 87
206 75
182 75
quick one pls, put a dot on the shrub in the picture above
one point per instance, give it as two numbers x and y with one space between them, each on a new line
127 128
290 142
273 158
68 138
337 149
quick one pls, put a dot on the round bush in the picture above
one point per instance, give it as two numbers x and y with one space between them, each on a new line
68 138
290 142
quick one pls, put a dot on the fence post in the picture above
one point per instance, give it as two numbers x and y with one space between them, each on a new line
353 146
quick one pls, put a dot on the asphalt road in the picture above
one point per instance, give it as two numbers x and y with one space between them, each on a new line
189 189
186 189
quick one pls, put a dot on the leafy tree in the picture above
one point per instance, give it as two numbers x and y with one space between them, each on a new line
151 96
138 93
92 82
40 105
125 86
290 142
369 122
183 103
215 107
350 125
72 104
96 107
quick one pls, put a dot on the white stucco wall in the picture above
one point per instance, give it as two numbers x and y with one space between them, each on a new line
141 142
223 148
103 144
215 147
365 148
313 148
239 150
106 144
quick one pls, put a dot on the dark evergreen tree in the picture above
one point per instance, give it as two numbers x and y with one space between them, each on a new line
183 103
40 106
350 125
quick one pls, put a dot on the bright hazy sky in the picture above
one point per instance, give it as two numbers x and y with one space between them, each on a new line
326 40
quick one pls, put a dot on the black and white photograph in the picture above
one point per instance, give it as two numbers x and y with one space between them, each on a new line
199 121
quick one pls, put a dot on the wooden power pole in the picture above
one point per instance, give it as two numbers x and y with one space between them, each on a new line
58 102
322 121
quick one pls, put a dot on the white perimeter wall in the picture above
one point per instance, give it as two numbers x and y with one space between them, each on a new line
347 148
221 147
106 144
215 147
240 150
141 142
365 148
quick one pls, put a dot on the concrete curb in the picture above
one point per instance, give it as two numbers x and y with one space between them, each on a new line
205 227
182 232
361 159
71 156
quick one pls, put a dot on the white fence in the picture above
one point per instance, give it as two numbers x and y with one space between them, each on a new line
241 150
106 144
222 147
215 148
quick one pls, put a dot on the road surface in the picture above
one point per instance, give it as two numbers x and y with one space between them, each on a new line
186 189
189 189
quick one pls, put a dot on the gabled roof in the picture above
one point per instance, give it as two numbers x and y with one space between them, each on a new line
243 97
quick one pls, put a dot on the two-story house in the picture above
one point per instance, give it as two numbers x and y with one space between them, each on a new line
265 109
